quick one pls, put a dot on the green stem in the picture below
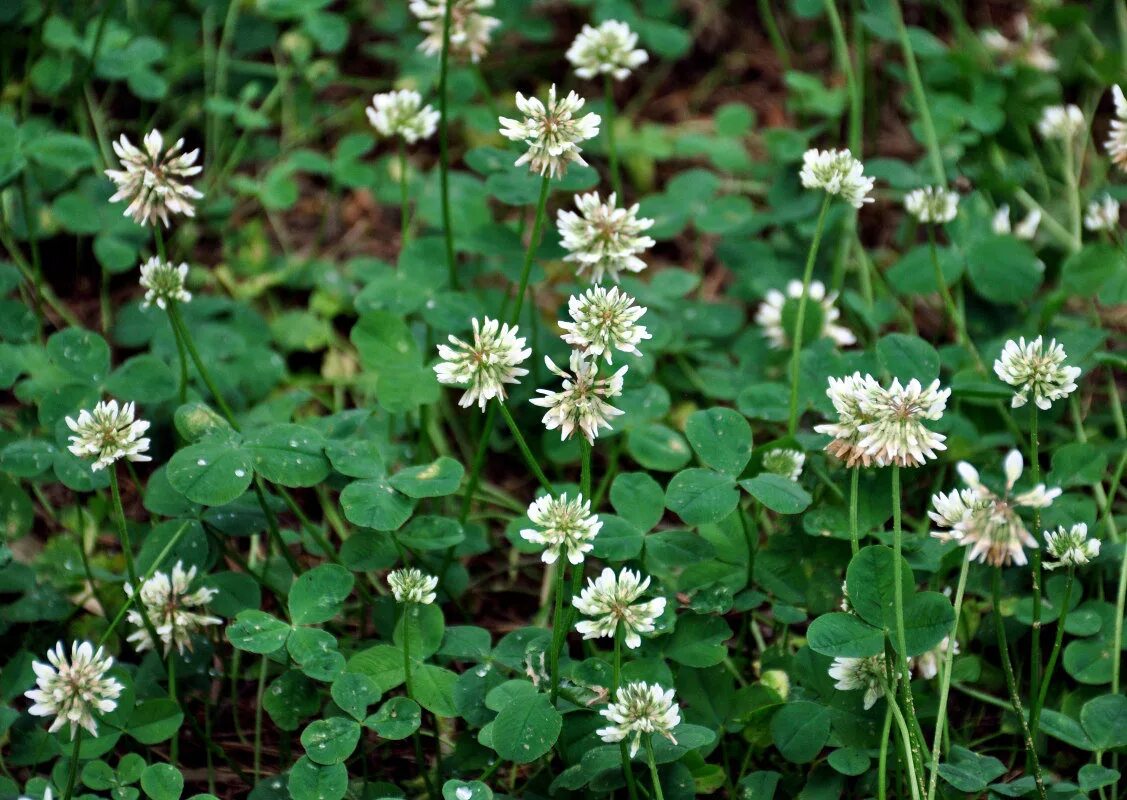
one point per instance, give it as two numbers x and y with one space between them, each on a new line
616 675
404 197
898 600
905 736
882 762
1011 682
845 63
529 458
127 550
653 767
262 666
751 536
1035 571
174 315
612 147
945 677
916 82
478 462
585 449
533 242
767 17
1035 712
181 350
854 533
174 745
72 772
559 629
1072 181
800 316
33 240
957 319
444 144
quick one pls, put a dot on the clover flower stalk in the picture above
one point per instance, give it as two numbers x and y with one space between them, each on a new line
611 51
837 173
402 115
1065 124
603 239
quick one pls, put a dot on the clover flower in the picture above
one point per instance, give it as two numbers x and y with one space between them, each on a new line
470 30
412 585
72 690
986 520
164 283
1026 229
402 114
167 602
859 673
552 132
611 600
932 204
784 461
1116 143
927 664
836 172
604 321
772 313
848 394
108 433
582 401
1029 47
1070 547
1102 215
1061 123
485 366
562 525
609 48
152 180
1033 367
640 708
894 432
603 238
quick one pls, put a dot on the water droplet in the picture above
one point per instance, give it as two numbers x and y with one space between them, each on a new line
201 462
240 473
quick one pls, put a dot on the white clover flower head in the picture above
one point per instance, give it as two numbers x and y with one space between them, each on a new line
1061 123
602 238
986 520
581 403
927 664
1102 214
153 181
168 604
610 49
776 306
1025 230
1070 547
108 433
850 396
895 433
836 172
410 585
784 461
164 283
611 600
562 526
604 321
1030 47
932 204
552 132
485 365
1116 143
402 114
470 30
73 690
852 674
1034 367
640 708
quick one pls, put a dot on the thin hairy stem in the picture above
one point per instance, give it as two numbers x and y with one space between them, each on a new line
800 315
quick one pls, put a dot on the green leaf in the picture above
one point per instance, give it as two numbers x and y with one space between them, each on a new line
354 692
638 498
1084 272
311 781
65 152
1063 727
375 504
258 632
314 651
526 729
869 584
906 357
778 493
423 626
701 496
155 721
290 698
330 741
398 718
1093 776
845 635
721 438
1105 721
928 618
657 447
460 790
291 455
436 479
212 472
1003 269
162 782
382 663
1077 464
434 689
969 772
698 640
800 730
319 594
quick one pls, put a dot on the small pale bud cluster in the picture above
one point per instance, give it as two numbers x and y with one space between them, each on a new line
608 49
1116 143
1029 46
108 433
402 114
412 585
166 601
552 132
1026 229
164 283
932 204
784 461
1070 547
1102 214
640 709
852 674
470 30
1034 368
773 311
836 172
1061 123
